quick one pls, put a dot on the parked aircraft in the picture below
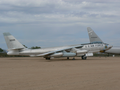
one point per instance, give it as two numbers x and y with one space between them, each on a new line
92 38
113 50
81 50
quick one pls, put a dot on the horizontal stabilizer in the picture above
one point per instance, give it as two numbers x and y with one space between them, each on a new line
16 48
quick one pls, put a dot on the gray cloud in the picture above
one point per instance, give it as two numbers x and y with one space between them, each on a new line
61 21
49 10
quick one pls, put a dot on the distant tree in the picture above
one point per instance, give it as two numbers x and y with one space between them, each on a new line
1 50
35 47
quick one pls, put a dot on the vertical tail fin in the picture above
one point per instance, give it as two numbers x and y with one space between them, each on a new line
93 36
12 42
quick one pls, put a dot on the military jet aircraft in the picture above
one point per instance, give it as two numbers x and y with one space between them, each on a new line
81 50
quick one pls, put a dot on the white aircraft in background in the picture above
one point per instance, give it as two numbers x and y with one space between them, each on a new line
92 38
81 50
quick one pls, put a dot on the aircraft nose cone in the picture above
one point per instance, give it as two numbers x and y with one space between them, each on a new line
110 46
107 47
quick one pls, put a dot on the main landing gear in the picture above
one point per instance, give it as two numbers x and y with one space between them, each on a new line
84 57
48 58
73 58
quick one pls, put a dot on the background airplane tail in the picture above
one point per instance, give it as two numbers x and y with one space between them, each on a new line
12 42
93 36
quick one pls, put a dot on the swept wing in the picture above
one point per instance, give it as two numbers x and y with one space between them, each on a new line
52 52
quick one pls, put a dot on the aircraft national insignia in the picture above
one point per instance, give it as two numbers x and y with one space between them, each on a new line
105 46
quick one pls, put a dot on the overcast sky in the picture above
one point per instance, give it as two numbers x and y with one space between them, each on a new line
49 23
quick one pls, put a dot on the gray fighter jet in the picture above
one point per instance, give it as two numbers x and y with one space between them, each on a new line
94 38
81 50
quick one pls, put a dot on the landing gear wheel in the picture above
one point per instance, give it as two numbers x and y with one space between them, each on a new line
84 57
73 58
47 58
67 57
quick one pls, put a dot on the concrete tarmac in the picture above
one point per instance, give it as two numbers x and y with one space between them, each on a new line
36 73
